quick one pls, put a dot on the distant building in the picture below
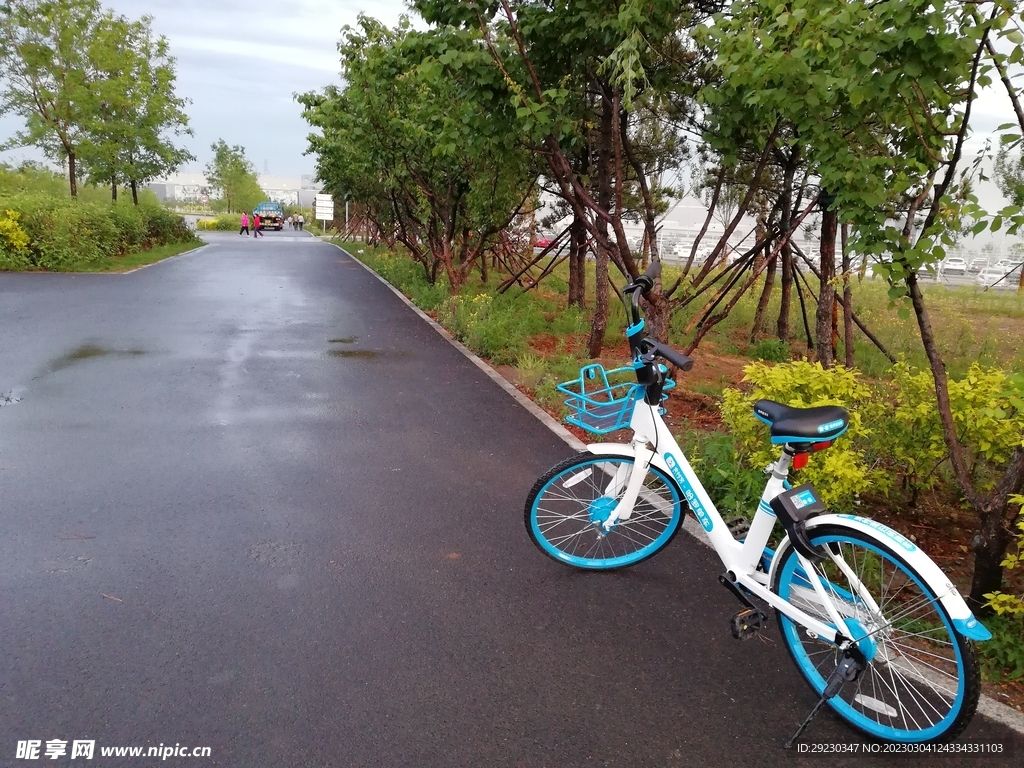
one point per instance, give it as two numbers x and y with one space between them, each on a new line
183 187
193 188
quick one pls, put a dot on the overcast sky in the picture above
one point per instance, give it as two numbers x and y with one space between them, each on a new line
240 65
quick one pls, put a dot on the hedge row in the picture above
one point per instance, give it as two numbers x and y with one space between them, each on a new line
41 231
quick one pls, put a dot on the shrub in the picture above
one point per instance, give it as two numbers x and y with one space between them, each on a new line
13 242
67 234
988 411
840 473
1005 651
730 481
223 223
772 350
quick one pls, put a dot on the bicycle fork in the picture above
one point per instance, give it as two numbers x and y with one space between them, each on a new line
633 480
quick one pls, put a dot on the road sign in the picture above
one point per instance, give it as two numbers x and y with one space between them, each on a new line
324 208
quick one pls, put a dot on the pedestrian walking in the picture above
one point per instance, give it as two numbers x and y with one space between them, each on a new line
245 224
301 220
256 225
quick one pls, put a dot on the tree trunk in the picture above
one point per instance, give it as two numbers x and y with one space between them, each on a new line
135 192
599 322
113 190
577 263
989 545
762 304
785 293
826 294
847 298
71 174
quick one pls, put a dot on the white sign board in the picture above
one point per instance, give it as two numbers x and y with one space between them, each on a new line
324 208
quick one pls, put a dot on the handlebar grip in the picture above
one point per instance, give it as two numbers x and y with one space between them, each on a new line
678 359
646 280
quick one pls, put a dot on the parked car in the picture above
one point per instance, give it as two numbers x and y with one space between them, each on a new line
999 277
543 242
978 264
954 265
1007 264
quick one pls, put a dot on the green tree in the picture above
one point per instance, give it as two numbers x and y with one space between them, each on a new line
436 167
235 176
48 73
880 96
126 141
1009 176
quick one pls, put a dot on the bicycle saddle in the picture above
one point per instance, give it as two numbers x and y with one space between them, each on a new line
802 425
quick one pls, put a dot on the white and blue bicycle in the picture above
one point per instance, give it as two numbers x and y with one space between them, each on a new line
874 626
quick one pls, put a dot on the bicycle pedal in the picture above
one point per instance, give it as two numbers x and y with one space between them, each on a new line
747 623
738 526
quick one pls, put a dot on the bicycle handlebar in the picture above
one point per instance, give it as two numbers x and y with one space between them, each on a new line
678 359
643 284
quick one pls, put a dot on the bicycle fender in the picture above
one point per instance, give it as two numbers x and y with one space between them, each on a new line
963 619
625 449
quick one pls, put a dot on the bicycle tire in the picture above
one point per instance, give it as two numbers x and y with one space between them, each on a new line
567 504
922 681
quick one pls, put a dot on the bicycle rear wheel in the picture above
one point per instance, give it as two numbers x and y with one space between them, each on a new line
922 680
566 507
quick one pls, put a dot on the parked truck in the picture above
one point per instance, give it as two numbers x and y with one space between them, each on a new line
271 215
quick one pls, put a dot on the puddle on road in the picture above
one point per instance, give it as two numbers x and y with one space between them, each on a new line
365 354
87 351
346 340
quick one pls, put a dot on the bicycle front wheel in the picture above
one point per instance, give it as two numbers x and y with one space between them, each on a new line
922 680
567 506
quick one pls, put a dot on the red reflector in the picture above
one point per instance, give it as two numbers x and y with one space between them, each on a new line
800 461
822 446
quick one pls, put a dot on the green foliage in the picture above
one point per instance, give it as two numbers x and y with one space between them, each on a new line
770 350
407 276
235 176
841 472
733 484
95 90
66 234
1002 657
13 241
987 408
1010 608
435 165
224 223
126 140
1009 176
497 326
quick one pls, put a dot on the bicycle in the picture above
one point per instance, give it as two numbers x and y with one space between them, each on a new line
872 624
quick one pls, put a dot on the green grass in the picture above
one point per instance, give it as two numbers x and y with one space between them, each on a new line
140 259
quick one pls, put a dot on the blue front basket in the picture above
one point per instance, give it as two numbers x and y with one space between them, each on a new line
601 401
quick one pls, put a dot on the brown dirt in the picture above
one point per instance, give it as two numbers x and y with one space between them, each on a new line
940 526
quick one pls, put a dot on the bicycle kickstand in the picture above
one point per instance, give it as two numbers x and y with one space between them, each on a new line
846 671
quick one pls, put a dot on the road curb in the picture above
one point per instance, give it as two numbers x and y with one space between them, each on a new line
987 706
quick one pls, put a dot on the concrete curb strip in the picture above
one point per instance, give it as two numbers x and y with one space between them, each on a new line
987 706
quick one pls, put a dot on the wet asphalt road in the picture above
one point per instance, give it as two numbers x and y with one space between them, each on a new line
250 501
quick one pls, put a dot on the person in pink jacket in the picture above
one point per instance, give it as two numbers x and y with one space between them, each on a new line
245 224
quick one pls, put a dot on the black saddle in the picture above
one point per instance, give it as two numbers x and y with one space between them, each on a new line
802 425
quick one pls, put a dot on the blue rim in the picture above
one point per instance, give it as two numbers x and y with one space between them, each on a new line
612 562
790 573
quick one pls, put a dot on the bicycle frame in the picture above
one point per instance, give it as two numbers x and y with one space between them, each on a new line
653 443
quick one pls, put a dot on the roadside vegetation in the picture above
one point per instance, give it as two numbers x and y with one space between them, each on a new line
43 228
847 123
